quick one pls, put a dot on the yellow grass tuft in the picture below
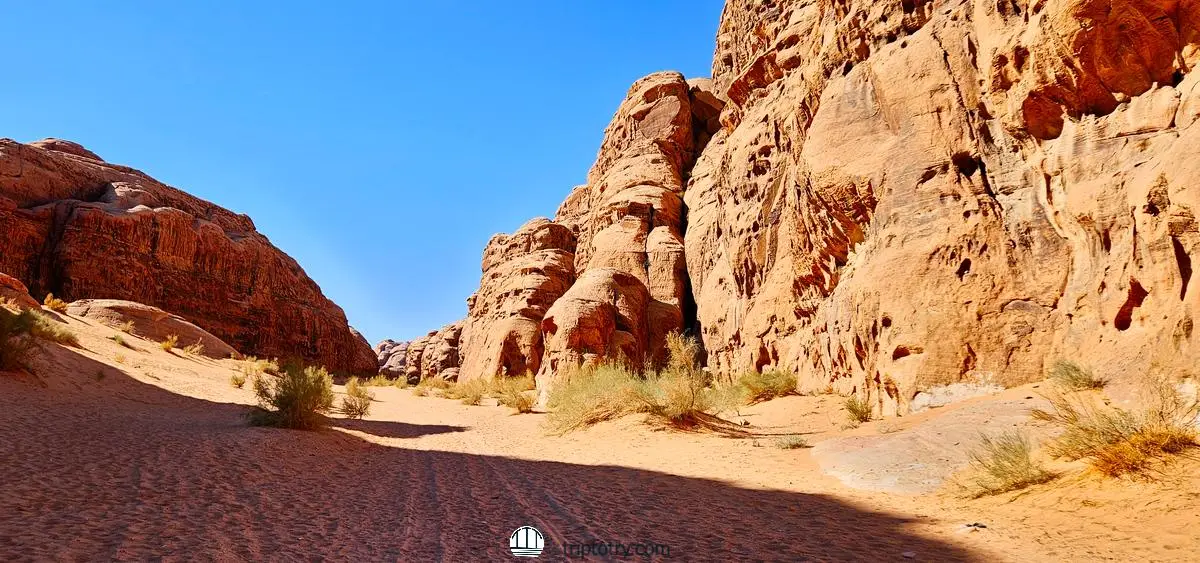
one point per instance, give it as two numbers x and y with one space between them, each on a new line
55 304
169 344
858 410
1071 376
1004 463
759 387
194 349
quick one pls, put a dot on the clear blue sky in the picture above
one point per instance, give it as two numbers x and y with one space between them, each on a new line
379 143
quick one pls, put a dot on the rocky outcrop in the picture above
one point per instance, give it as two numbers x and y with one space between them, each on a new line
151 323
11 289
390 355
523 274
82 228
911 193
889 196
440 358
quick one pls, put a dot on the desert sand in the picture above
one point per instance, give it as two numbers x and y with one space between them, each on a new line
112 453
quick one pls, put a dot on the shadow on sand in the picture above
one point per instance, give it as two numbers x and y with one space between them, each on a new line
117 469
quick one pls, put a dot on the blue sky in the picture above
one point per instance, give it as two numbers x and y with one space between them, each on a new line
379 143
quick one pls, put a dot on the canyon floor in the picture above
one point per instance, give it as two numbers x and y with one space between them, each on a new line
117 453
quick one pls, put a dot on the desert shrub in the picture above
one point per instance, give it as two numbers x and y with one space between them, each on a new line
299 398
119 358
126 327
379 380
237 379
1117 441
14 339
45 328
791 442
253 367
169 344
430 385
513 393
357 402
470 392
55 304
681 394
1072 376
120 340
194 349
858 410
767 385
1004 463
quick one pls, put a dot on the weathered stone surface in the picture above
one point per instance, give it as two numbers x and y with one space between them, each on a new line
523 274
390 355
441 352
150 323
82 228
413 357
906 193
12 288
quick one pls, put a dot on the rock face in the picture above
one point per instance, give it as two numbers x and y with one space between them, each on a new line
390 355
82 228
886 197
151 323
12 289
909 192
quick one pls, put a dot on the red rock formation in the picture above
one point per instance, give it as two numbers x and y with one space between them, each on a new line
82 228
13 290
151 323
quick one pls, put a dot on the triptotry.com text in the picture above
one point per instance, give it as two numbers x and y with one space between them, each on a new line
616 549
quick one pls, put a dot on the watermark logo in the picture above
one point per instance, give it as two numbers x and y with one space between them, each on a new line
527 541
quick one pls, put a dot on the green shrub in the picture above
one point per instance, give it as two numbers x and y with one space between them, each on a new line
858 410
1004 463
767 385
357 402
791 442
298 398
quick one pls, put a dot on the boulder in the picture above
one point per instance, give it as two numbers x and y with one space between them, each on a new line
150 323
12 289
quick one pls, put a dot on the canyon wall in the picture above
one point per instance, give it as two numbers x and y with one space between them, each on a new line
882 197
83 228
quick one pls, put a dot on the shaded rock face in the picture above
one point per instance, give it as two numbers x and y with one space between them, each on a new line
944 190
151 323
82 228
12 289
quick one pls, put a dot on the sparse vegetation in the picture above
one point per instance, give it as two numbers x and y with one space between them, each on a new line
237 379
126 327
299 398
681 394
55 304
767 385
119 358
1071 376
120 340
858 410
14 341
1004 463
1117 441
513 393
357 402
430 384
792 442
169 344
470 392
194 349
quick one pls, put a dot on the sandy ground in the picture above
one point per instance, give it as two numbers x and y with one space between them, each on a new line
118 454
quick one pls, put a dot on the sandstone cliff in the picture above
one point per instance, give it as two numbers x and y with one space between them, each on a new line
82 228
883 197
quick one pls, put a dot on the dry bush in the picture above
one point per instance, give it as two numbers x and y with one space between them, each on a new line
470 392
791 442
119 358
513 393
46 328
357 402
169 344
126 327
1004 463
55 304
120 340
299 398
381 380
681 394
759 387
1072 376
858 410
1117 441
237 379
15 344
194 349
430 385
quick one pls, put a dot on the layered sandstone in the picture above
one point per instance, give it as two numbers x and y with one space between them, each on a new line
82 228
151 323
889 196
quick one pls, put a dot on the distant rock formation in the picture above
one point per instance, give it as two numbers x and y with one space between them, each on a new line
882 197
82 228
